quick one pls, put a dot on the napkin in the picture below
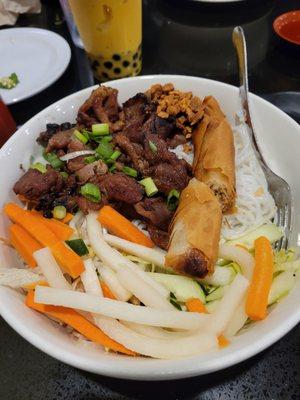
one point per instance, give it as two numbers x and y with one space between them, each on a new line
10 9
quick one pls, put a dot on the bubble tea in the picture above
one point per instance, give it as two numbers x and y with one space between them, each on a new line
111 31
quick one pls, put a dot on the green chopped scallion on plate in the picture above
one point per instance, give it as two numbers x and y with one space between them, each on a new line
91 192
130 171
149 185
116 154
40 167
90 159
173 199
59 212
80 136
100 129
152 147
53 160
104 150
9 82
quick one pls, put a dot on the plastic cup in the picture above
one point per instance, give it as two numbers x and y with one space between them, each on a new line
111 32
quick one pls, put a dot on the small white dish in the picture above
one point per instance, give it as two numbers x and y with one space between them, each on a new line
279 137
38 57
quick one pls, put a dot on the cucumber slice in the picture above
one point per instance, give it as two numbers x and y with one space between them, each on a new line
288 266
216 294
270 231
212 306
221 277
281 286
183 287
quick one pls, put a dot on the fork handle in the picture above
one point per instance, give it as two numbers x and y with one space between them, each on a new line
239 42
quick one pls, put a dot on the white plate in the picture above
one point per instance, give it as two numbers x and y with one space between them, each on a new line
39 57
282 153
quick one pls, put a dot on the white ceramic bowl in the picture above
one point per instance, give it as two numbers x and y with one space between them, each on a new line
280 140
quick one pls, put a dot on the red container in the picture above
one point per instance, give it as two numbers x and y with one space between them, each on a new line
287 26
7 123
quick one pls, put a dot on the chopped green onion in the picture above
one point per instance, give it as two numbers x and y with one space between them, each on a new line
14 78
59 212
39 166
78 246
173 300
100 139
107 138
83 139
90 159
100 129
105 150
85 133
173 199
64 175
9 82
130 171
112 168
150 187
91 192
116 154
53 160
152 147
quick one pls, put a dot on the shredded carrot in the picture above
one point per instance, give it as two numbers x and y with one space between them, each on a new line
77 322
107 292
32 224
196 305
223 341
258 293
32 286
69 261
60 229
120 226
25 244
67 218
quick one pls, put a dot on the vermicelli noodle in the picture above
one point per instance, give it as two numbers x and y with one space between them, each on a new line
254 204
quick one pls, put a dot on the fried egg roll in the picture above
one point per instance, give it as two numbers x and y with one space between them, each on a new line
195 231
214 154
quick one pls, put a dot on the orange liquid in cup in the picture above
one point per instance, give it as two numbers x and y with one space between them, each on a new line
111 31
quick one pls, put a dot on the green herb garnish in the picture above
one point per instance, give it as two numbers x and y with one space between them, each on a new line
152 147
53 160
149 185
40 167
130 171
173 199
9 82
91 192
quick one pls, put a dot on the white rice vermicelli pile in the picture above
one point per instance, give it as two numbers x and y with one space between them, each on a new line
254 204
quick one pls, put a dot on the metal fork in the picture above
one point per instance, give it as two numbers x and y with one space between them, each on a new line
278 187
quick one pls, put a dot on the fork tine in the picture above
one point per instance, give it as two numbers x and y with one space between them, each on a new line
279 222
287 225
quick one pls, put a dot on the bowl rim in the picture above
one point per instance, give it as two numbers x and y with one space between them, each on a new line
285 17
171 369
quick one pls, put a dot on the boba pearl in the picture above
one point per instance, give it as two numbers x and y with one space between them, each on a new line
108 64
122 64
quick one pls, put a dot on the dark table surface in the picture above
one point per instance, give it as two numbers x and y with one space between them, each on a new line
191 38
